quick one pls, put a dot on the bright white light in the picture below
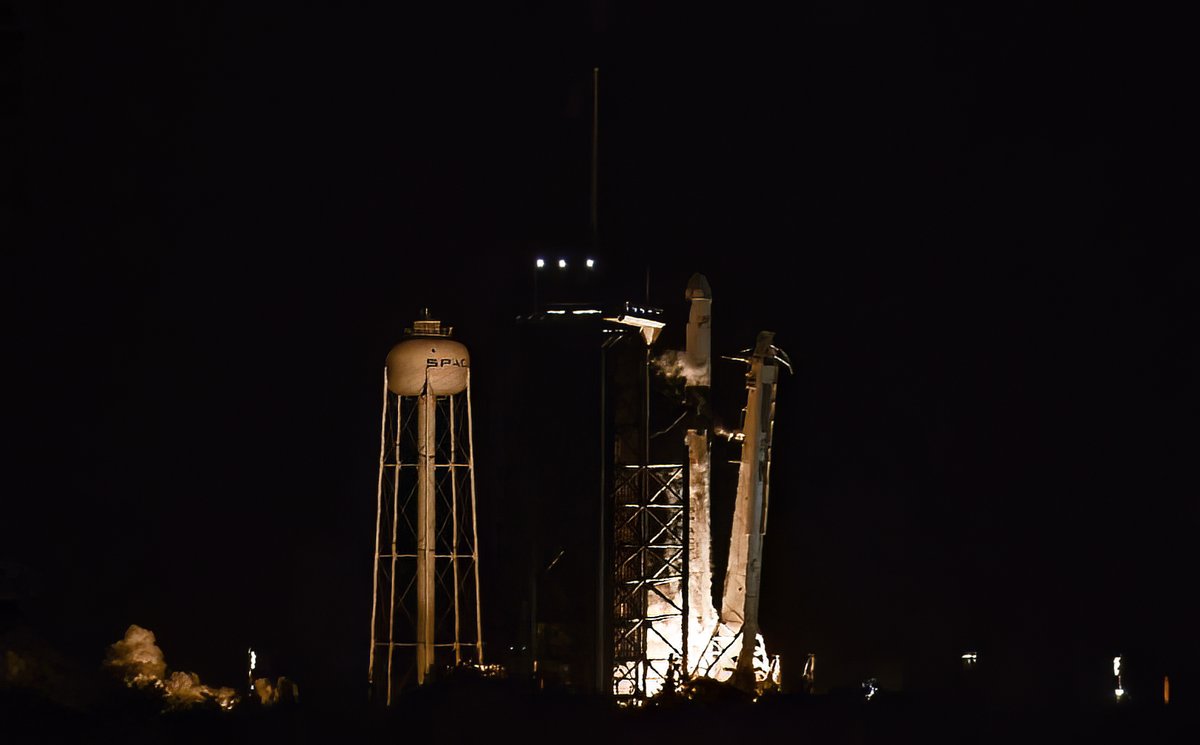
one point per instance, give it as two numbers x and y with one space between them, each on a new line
1120 692
587 312
871 688
541 263
557 312
562 263
253 659
591 263
970 657
1116 666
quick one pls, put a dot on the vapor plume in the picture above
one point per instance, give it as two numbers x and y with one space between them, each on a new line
184 690
139 661
137 658
270 693
674 366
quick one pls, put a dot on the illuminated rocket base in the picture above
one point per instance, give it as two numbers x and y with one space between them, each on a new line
719 659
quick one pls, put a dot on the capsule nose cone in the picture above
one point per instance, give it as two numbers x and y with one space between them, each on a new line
697 287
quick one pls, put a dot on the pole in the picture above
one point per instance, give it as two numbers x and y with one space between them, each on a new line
378 519
453 468
395 525
474 526
426 525
602 609
644 517
595 218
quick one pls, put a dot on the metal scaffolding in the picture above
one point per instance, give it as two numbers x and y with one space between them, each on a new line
650 577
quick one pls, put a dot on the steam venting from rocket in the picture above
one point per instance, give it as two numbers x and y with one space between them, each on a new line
139 661
674 366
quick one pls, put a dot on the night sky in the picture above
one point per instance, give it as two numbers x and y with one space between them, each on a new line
969 229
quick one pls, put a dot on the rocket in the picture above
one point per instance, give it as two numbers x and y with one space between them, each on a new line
702 615
739 603
724 643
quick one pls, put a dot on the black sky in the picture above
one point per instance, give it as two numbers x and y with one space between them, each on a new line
968 228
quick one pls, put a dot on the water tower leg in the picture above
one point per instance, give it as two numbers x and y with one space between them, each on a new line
426 541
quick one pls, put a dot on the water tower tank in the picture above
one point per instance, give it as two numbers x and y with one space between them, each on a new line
428 351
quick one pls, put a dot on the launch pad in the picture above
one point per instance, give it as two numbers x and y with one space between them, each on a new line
657 626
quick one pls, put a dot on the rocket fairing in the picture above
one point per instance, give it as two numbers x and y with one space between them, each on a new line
698 352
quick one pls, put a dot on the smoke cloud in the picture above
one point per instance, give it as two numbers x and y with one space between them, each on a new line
137 658
184 690
139 661
270 693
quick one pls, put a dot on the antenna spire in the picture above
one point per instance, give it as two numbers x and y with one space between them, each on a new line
594 223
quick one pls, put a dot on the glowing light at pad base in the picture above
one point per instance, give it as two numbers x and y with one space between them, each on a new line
809 676
870 688
253 664
719 660
1119 691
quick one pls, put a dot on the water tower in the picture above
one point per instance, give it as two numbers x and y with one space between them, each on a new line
425 612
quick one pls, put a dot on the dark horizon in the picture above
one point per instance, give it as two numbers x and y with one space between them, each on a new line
965 227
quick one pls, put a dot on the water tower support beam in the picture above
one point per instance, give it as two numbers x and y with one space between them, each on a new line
426 527
474 526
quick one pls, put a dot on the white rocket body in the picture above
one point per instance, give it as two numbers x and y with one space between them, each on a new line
698 353
734 650
702 616
739 604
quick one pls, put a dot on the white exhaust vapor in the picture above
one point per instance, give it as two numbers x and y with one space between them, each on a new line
139 661
184 690
137 658
675 365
